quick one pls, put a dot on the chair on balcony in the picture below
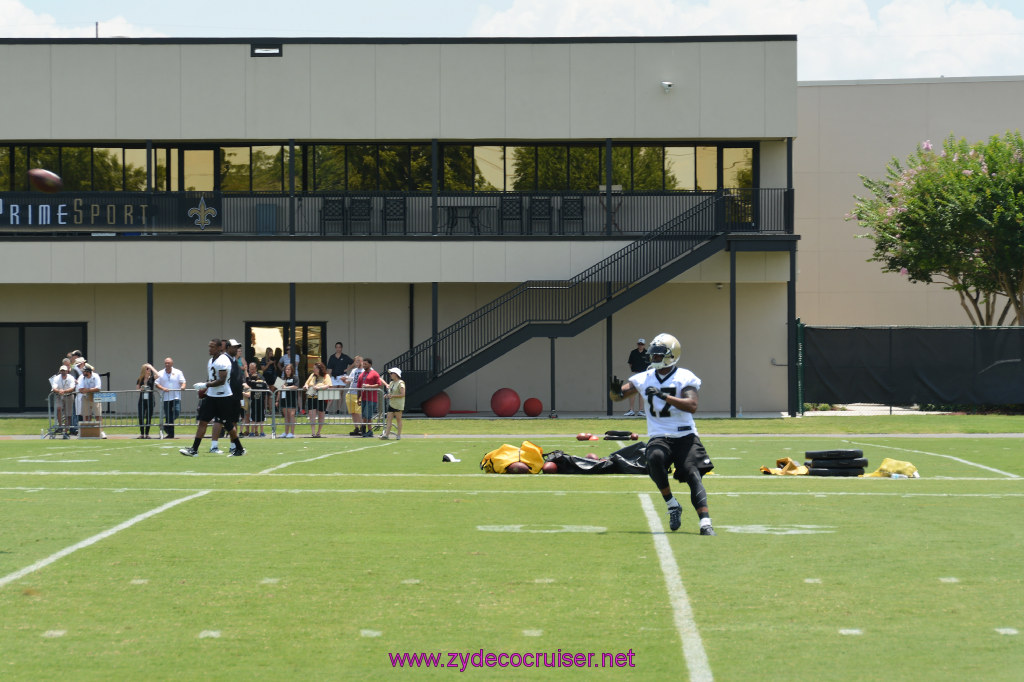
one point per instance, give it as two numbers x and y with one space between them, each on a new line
541 211
570 212
510 210
360 210
332 217
394 211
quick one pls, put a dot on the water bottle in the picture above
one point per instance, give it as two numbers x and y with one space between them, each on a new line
897 475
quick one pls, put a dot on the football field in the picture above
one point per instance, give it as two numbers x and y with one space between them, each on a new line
351 558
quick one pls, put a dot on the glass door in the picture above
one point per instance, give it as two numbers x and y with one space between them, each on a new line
277 336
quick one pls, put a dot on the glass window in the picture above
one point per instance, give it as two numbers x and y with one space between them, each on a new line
490 169
394 167
134 170
520 169
622 167
420 167
76 168
458 168
585 168
707 168
362 167
737 167
648 168
268 171
107 169
328 167
234 169
198 170
552 168
680 168
5 169
45 157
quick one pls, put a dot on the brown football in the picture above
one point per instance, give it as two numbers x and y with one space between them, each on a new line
549 468
43 180
517 468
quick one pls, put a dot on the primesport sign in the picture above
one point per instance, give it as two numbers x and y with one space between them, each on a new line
111 211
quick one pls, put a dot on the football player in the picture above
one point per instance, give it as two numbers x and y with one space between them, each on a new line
670 396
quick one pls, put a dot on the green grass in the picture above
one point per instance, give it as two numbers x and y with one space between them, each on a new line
315 559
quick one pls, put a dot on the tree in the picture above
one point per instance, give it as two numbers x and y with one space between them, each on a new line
956 217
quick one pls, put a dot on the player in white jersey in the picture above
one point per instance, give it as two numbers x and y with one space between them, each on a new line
670 393
218 402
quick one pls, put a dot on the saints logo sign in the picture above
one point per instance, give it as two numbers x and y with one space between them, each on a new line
202 214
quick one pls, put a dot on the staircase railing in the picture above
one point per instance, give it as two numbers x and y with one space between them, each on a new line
562 301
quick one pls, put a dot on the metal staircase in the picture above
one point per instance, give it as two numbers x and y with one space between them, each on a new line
564 308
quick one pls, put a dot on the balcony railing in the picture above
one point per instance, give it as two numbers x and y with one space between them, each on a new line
379 215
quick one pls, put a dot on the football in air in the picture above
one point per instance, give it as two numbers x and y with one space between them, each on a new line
43 180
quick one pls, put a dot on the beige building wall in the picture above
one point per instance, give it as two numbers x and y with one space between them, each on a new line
161 90
853 128
373 319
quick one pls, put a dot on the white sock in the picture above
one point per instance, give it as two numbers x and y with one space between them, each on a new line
213 445
706 521
672 502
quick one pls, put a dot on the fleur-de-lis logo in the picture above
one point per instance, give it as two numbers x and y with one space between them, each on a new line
202 213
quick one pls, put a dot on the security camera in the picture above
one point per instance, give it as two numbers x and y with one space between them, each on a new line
666 85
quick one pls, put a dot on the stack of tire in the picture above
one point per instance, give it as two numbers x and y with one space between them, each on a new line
835 462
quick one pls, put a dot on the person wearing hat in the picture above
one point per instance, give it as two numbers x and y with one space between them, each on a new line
63 389
396 403
89 385
639 361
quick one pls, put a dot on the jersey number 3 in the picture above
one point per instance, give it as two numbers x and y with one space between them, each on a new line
668 390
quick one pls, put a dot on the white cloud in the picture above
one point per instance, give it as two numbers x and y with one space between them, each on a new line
837 39
18 21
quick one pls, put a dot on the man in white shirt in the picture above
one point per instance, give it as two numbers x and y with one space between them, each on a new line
169 381
88 386
671 396
217 401
63 386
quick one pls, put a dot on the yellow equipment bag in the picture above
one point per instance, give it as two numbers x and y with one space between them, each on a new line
888 467
496 461
785 467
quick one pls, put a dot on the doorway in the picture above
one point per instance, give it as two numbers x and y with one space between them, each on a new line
32 354
309 344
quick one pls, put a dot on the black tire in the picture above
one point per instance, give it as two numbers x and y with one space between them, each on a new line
819 471
834 454
837 463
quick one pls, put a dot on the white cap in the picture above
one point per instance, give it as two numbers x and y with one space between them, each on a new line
641 340
396 371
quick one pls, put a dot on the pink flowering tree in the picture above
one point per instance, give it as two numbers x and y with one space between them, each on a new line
954 216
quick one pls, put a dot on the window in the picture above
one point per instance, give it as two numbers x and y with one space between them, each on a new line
552 168
458 168
707 168
362 167
490 170
585 172
268 171
520 169
681 168
328 167
737 167
649 169
234 169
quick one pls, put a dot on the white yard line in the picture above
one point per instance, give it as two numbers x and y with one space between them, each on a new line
693 647
329 454
935 454
17 575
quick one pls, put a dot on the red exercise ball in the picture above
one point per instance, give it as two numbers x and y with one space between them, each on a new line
532 407
438 405
505 402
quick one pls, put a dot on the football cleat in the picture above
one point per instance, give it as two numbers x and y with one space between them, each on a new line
667 348
675 517
707 530
188 452
237 452
216 451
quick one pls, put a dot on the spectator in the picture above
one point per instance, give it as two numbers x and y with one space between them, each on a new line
396 403
257 401
170 381
352 401
88 387
145 384
317 381
77 362
338 365
63 387
370 384
268 366
639 361
288 399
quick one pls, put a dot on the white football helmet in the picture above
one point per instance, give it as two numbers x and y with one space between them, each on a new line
666 346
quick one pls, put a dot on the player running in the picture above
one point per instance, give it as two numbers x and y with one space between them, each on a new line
671 396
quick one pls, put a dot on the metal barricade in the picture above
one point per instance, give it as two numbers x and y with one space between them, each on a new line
263 411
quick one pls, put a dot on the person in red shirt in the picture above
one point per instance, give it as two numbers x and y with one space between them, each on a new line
370 384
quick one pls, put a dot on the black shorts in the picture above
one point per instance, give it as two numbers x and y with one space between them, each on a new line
223 409
686 452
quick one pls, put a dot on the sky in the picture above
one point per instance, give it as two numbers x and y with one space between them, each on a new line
837 39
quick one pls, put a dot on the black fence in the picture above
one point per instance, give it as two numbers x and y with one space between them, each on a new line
377 215
913 365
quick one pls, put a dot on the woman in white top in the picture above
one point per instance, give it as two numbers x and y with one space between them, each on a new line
316 382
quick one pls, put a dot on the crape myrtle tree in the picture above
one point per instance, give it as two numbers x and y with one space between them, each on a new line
954 216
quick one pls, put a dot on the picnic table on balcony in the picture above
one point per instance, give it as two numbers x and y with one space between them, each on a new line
463 211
